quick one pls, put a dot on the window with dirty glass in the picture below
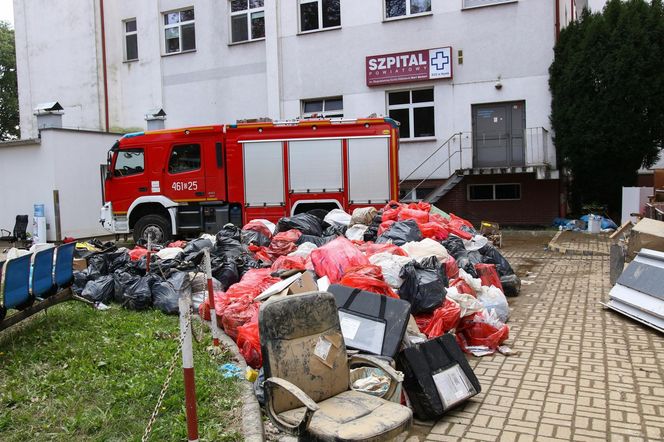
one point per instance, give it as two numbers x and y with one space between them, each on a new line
494 192
331 107
247 20
414 110
179 31
319 14
129 162
184 158
131 39
403 8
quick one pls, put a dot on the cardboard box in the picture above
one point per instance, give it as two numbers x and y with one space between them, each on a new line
646 234
80 264
298 283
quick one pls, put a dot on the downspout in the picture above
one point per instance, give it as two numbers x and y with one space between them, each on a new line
103 63
557 20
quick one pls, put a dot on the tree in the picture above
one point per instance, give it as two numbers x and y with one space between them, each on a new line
8 86
607 87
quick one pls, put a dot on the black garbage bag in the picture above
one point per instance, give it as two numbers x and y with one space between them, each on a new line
401 232
424 285
246 262
511 284
116 260
227 246
165 267
197 245
229 231
225 271
455 247
138 295
372 232
100 289
165 294
304 222
318 240
80 280
254 237
335 230
474 257
97 266
491 255
122 280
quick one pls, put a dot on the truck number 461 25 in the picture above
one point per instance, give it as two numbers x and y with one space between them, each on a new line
185 185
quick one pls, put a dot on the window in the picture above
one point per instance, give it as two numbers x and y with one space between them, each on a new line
478 3
131 40
185 158
179 32
408 195
403 8
414 110
332 107
247 20
494 192
129 162
319 14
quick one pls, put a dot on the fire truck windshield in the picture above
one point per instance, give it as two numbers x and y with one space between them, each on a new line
129 162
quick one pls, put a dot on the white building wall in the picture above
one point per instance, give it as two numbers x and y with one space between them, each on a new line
63 160
56 57
221 83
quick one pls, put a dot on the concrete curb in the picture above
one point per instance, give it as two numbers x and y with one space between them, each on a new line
566 251
252 417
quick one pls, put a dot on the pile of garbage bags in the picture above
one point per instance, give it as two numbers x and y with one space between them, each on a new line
454 279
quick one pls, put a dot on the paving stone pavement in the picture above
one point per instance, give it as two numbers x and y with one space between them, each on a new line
584 373
581 243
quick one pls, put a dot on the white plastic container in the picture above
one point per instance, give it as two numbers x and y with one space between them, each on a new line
594 224
39 224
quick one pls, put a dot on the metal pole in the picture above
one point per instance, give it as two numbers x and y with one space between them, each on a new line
210 287
56 213
147 256
188 370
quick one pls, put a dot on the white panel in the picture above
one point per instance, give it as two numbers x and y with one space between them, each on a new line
263 173
369 170
315 165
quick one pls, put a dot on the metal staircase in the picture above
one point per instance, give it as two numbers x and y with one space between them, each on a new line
455 147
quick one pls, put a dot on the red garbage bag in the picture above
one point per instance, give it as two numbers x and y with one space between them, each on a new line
249 343
238 313
489 275
391 211
418 215
481 333
336 257
252 284
259 227
137 253
369 248
445 318
460 221
458 232
451 268
423 320
463 287
420 205
369 278
289 263
385 226
433 230
181 244
221 301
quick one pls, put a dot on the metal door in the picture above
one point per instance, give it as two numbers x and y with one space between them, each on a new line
498 131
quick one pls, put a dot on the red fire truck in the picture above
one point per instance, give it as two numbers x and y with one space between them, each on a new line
180 182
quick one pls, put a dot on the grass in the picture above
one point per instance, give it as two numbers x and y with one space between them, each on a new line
81 374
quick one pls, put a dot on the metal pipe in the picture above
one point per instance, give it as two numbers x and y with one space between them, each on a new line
429 157
103 63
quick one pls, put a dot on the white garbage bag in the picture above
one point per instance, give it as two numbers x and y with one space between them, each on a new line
468 303
304 249
337 217
493 299
391 266
356 232
363 215
423 249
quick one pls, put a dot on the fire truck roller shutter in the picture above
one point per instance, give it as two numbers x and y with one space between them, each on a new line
263 173
315 166
369 170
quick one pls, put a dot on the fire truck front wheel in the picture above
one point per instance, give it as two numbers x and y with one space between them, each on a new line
155 226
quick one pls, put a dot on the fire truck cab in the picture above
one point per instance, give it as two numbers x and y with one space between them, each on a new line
181 182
